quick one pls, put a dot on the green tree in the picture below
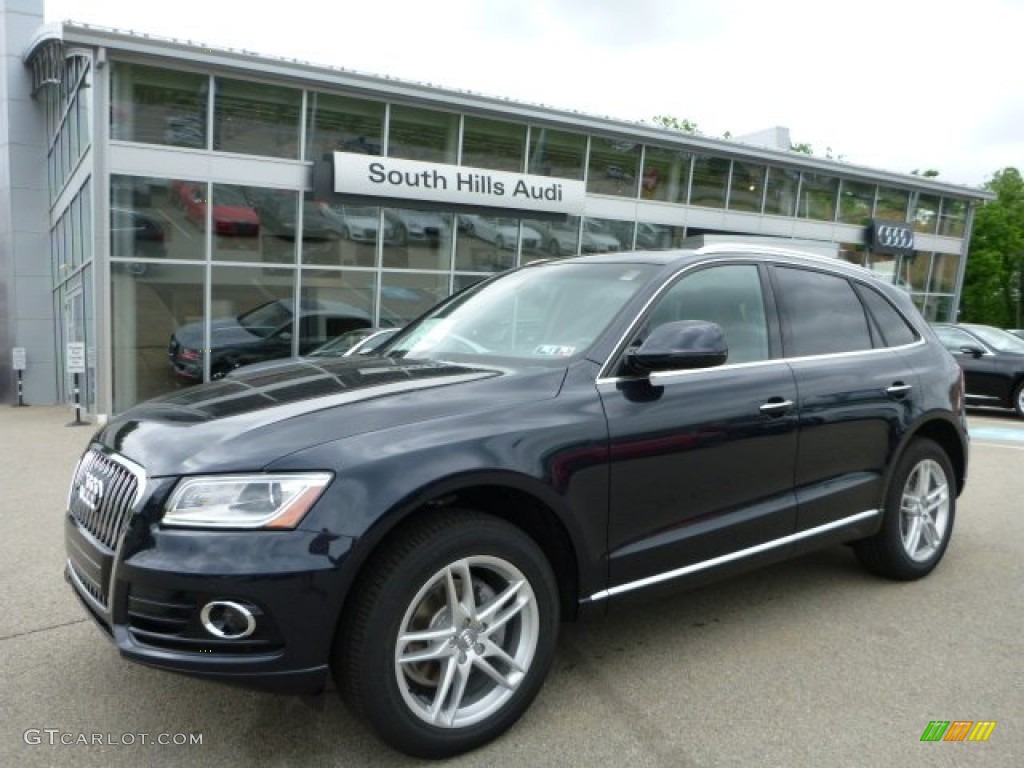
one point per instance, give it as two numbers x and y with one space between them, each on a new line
994 279
676 124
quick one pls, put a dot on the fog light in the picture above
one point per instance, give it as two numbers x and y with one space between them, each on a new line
231 621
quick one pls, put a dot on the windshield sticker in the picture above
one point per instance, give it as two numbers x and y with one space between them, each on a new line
554 350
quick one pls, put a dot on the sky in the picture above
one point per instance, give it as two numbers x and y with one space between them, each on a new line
895 85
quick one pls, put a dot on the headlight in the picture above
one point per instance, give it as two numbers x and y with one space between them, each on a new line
244 501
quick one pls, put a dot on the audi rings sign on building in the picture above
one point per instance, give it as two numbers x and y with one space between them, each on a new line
896 237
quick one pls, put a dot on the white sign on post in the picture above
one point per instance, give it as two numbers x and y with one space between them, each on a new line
76 357
20 359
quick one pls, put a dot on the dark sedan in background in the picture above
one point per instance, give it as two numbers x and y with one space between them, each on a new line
264 333
992 361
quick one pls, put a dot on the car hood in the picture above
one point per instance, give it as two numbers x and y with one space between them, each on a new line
250 420
224 332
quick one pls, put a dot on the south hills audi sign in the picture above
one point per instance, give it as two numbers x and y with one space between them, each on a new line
390 178
895 237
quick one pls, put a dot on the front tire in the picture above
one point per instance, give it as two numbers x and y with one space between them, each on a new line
918 517
1018 400
450 634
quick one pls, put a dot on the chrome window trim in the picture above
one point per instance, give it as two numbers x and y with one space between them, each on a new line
741 257
731 557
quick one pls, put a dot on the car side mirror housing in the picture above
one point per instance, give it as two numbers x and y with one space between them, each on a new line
973 351
683 344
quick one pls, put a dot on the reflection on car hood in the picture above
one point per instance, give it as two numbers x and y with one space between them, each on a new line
248 421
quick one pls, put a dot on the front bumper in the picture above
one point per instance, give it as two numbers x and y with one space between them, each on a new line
147 595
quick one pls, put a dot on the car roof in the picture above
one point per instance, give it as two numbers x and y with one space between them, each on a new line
682 256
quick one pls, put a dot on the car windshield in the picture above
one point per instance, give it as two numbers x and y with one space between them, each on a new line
266 319
999 340
541 313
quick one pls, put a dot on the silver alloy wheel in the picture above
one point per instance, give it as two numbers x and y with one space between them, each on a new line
466 641
924 510
1020 400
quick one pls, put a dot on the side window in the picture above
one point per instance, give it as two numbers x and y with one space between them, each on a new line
894 329
729 295
824 314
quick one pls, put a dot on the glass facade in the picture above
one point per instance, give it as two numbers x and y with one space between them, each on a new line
209 273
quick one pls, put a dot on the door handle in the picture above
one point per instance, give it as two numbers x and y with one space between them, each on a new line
899 389
776 406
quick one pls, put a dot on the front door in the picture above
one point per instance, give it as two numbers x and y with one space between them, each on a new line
702 461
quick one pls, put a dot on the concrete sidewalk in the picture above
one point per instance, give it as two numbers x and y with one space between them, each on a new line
37 456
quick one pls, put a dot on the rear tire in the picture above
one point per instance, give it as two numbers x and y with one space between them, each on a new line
918 516
450 634
1018 400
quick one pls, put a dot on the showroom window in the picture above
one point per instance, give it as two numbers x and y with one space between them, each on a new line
559 237
818 194
856 202
158 106
943 273
493 144
606 235
613 167
248 223
421 239
746 187
780 192
358 228
892 204
952 217
421 134
148 309
337 298
256 118
252 316
556 153
490 242
666 174
926 214
342 124
710 181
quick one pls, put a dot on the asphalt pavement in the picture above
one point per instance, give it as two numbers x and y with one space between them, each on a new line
809 663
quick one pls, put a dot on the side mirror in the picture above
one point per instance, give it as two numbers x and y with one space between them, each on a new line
973 351
684 344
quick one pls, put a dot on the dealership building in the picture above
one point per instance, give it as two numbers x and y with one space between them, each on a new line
170 210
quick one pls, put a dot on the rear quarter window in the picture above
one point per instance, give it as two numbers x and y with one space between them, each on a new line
893 327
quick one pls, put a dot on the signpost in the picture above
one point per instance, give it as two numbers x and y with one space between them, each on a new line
76 365
19 359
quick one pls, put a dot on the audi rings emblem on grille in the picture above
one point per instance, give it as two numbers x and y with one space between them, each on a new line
91 491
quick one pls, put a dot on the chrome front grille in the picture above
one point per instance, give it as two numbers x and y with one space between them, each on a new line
103 495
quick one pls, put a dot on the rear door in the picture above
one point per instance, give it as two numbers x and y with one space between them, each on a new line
856 394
